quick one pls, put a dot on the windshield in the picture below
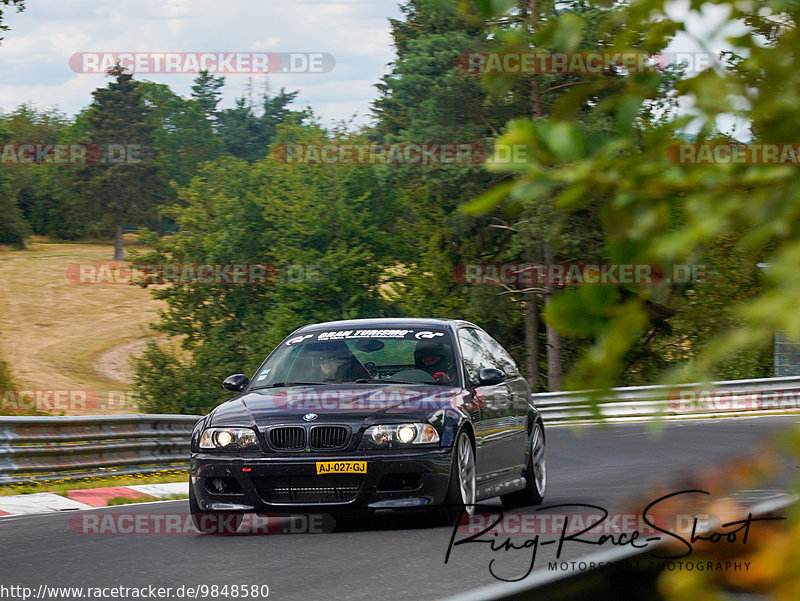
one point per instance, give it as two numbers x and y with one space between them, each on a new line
411 356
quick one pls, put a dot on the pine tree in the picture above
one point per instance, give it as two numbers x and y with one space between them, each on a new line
248 135
206 90
128 190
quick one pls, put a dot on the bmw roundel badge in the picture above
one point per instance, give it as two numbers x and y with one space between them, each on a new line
310 417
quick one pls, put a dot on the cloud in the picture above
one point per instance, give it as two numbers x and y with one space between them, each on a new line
34 56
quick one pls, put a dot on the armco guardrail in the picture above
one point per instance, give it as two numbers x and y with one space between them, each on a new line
66 448
47 448
638 403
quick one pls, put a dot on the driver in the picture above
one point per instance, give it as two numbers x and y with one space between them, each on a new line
337 363
436 359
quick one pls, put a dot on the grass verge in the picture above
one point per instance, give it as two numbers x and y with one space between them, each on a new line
62 486
127 501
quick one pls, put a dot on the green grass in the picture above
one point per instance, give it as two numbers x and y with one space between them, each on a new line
62 486
128 501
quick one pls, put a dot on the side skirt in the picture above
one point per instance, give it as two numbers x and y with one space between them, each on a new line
504 486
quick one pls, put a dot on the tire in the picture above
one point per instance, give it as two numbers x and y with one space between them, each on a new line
535 473
206 522
461 490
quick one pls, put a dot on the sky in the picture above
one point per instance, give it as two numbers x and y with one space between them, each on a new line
34 56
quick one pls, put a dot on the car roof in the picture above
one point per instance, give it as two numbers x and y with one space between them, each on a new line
385 322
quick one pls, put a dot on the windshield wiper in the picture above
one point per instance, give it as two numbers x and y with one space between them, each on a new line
283 384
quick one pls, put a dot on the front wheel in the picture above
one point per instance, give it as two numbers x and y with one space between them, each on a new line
461 491
207 522
535 474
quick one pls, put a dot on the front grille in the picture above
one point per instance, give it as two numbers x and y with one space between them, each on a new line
290 438
327 438
307 490
318 438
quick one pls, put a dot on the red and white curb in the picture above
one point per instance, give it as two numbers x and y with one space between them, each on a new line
88 498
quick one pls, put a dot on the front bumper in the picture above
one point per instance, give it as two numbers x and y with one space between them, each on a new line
393 480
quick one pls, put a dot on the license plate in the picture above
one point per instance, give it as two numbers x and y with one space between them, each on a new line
341 467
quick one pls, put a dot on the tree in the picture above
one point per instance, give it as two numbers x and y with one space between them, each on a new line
182 136
40 190
13 227
428 97
656 211
18 4
329 233
246 134
726 215
126 191
206 91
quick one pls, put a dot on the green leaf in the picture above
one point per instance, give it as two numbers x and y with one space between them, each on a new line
569 33
572 197
564 140
494 8
489 200
627 112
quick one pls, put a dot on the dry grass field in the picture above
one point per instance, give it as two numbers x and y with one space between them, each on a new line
62 336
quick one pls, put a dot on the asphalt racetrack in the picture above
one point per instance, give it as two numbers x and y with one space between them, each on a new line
394 556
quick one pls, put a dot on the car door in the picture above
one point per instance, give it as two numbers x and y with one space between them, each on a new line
520 394
496 414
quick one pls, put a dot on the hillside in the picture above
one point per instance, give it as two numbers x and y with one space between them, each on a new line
68 343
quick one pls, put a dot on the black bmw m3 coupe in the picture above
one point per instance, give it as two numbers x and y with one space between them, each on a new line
371 414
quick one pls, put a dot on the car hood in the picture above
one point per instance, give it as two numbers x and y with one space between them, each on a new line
336 402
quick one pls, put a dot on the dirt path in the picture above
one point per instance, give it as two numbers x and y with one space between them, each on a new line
58 335
114 364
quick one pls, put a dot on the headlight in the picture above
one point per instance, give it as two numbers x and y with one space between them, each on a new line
398 436
227 438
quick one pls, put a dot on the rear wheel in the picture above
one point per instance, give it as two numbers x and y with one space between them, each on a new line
207 522
461 490
535 473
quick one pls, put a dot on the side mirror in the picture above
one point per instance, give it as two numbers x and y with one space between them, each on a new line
489 376
236 383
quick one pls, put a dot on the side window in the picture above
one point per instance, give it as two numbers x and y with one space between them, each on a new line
500 357
476 356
